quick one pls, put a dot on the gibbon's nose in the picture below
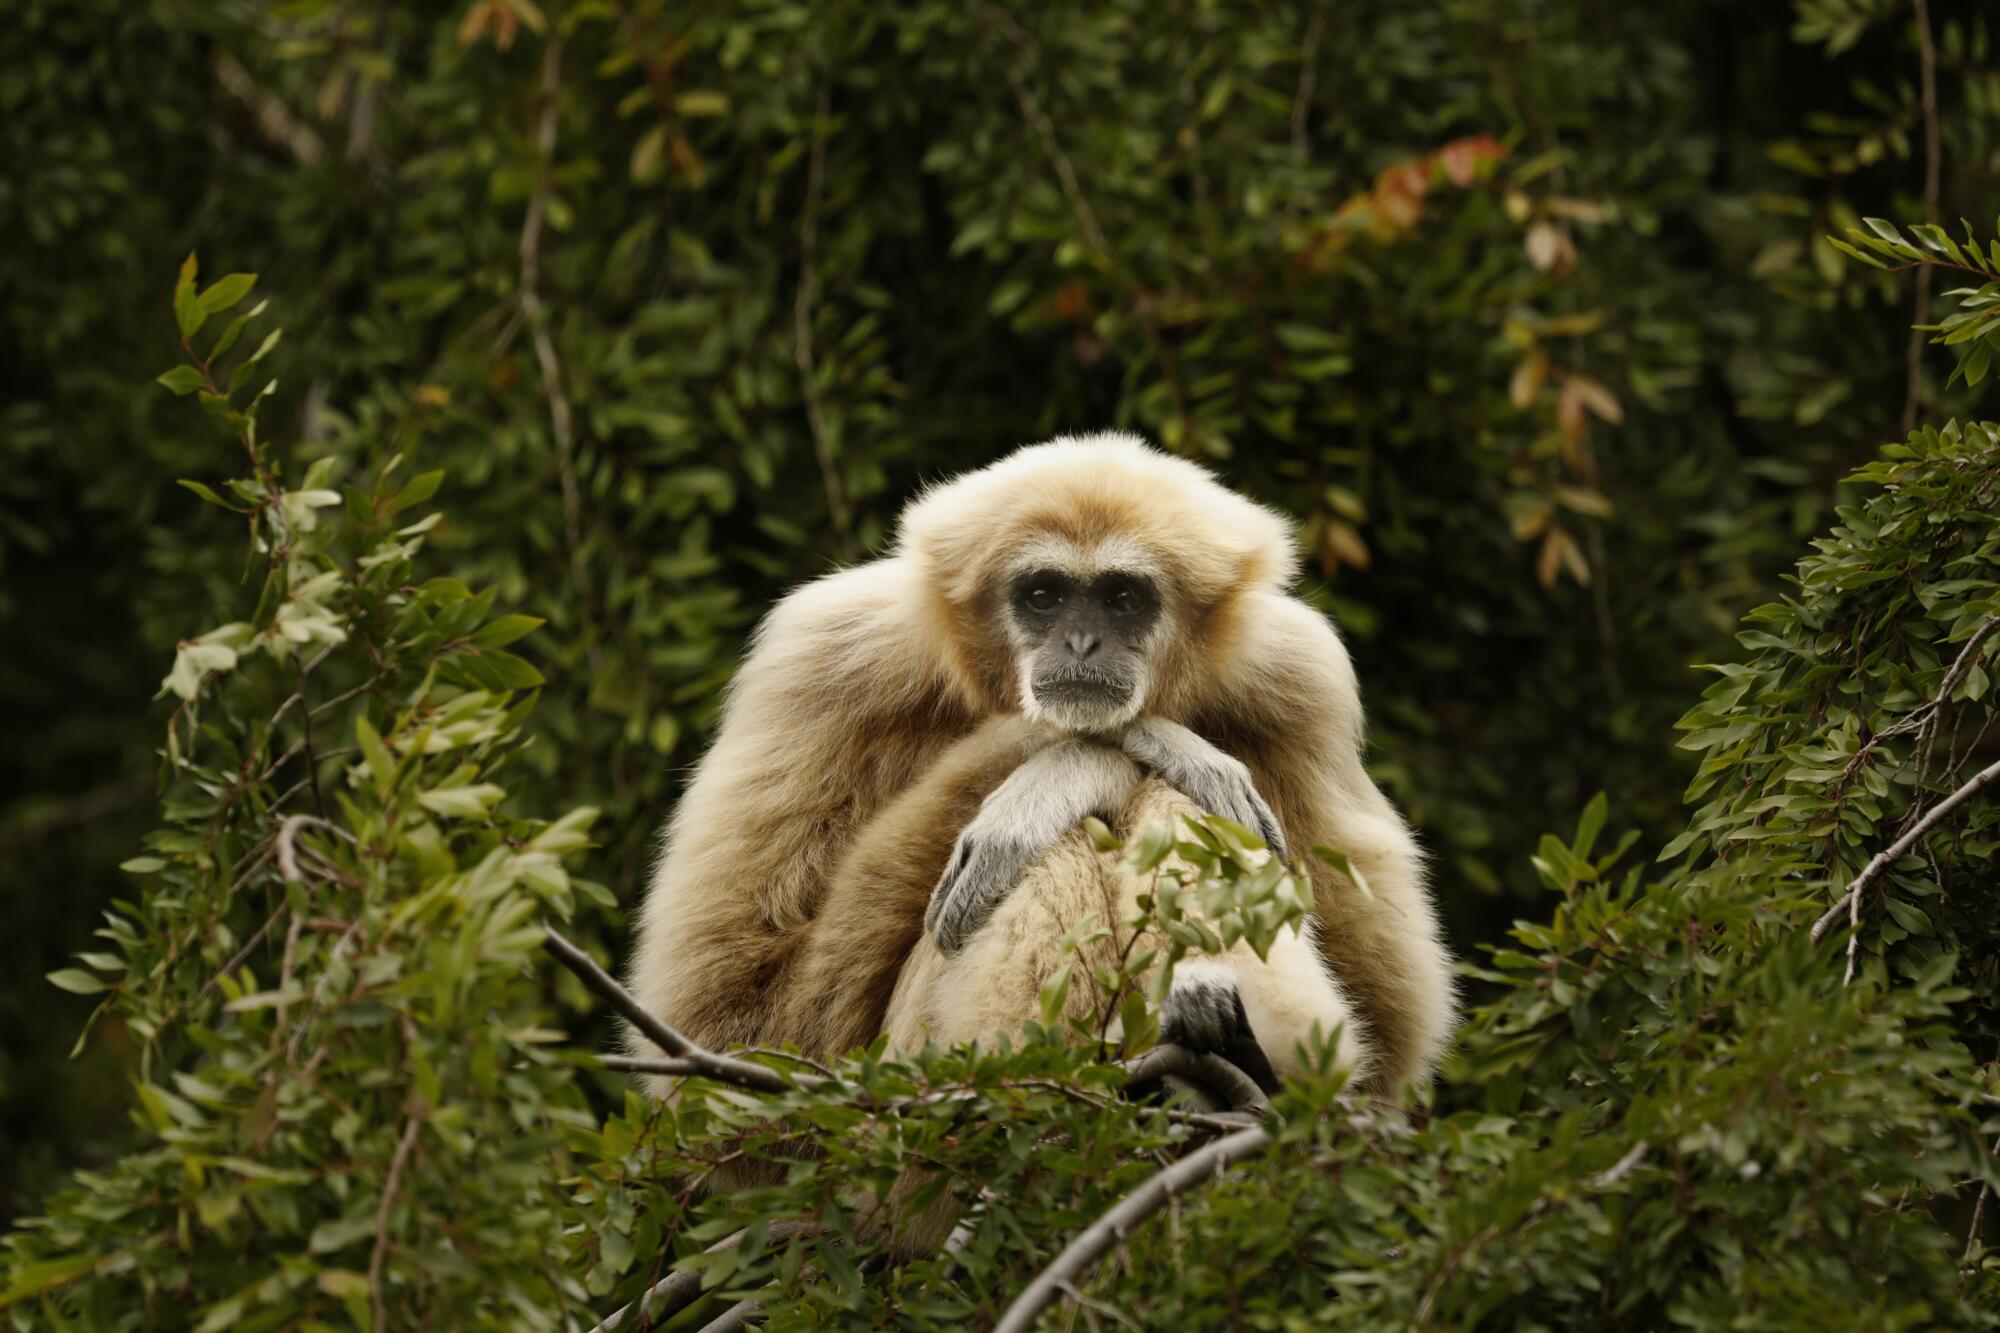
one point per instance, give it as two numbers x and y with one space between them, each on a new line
1082 643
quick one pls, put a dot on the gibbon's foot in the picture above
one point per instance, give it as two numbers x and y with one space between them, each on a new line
1204 1012
1213 780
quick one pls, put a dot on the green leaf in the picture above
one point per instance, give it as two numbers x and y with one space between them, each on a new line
226 292
210 496
472 802
1344 864
417 490
235 330
188 313
375 754
512 673
263 350
1590 825
183 380
505 630
77 981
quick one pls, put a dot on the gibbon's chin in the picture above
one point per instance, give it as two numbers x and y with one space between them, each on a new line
1077 706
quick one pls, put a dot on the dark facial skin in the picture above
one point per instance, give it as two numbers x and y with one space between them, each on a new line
1085 637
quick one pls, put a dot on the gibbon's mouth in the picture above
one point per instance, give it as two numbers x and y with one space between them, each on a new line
1091 690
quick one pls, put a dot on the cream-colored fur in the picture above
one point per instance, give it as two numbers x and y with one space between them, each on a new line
993 985
796 870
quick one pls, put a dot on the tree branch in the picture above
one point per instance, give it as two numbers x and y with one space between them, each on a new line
389 1187
665 1298
1927 59
802 336
1111 1230
721 1068
1894 851
536 314
735 1317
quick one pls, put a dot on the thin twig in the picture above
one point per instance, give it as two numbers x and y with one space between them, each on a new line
560 424
1895 850
1308 72
389 1187
802 335
288 860
289 957
306 739
1110 1230
273 117
1217 1122
721 1068
1923 718
1927 57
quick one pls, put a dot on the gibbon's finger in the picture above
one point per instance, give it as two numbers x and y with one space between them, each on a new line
1266 825
952 870
965 900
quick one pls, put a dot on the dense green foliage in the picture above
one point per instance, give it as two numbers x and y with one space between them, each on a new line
1558 330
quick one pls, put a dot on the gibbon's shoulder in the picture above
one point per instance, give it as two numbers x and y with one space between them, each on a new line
860 633
858 600
1091 488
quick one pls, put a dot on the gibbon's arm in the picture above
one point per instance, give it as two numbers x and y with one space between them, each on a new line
1018 822
1287 705
1216 782
841 700
873 914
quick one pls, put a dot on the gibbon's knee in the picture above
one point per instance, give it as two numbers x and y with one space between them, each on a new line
993 984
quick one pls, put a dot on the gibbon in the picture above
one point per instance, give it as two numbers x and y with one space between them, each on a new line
885 834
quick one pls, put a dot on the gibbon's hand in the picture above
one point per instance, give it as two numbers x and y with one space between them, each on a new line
1218 783
1043 799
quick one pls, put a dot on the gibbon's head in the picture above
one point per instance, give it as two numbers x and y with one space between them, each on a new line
1091 578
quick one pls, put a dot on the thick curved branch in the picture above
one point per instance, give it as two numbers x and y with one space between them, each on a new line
1110 1230
664 1299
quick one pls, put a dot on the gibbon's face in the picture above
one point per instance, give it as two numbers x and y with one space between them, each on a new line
1082 636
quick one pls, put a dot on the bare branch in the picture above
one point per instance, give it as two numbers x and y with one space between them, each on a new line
560 424
735 1317
721 1068
1308 71
389 1187
1927 69
1110 1230
274 118
665 1298
802 335
288 858
1895 850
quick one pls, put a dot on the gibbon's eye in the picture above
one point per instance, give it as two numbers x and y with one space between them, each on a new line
1127 597
1043 597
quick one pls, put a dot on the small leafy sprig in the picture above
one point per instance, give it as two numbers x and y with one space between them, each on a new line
1977 320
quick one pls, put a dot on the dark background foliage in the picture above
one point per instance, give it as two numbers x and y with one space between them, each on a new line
1525 310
